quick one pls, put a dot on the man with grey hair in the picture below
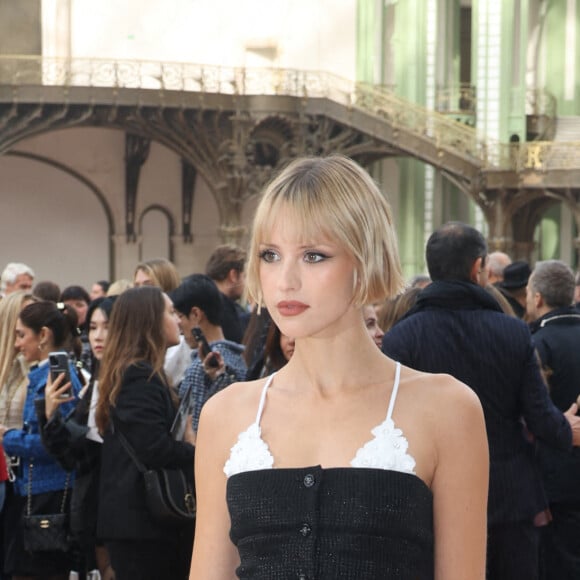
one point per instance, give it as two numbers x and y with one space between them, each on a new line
556 335
496 263
16 276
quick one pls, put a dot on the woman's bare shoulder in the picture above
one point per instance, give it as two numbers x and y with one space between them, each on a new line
234 406
439 392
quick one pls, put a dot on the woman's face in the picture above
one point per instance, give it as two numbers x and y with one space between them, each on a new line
28 343
80 307
307 284
287 346
170 323
372 324
142 278
98 330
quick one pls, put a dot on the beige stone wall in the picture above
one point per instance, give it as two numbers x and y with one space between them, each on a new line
62 209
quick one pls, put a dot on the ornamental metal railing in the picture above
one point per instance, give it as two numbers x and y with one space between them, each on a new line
443 132
162 76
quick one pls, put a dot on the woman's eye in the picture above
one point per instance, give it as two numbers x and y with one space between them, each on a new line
269 256
313 257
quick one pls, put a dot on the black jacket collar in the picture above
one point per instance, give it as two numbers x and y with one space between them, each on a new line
565 314
454 295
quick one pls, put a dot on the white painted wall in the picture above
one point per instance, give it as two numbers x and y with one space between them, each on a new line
302 34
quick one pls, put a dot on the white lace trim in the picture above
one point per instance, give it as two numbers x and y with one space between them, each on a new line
250 453
387 450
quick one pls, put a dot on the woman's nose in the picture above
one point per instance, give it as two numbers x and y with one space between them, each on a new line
289 278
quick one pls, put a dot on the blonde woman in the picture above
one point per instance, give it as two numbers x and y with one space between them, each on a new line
157 272
343 464
13 367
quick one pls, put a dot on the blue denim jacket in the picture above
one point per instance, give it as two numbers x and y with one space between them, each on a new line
25 443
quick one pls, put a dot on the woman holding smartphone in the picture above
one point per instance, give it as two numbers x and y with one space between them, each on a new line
76 444
343 464
135 400
42 327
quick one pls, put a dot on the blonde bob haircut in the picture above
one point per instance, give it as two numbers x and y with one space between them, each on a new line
333 197
162 272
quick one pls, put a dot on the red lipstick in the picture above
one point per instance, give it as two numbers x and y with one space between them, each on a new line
291 307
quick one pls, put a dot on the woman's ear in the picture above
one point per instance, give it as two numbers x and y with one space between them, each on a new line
46 338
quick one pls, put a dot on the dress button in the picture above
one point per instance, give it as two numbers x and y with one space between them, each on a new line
309 480
305 530
302 577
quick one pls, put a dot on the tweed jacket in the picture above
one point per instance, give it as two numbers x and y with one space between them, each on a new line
26 442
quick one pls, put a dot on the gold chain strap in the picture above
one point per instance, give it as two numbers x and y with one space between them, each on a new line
29 488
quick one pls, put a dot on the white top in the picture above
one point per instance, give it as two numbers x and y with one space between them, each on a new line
93 432
386 450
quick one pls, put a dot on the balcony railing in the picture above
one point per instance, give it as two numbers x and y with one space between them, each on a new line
443 132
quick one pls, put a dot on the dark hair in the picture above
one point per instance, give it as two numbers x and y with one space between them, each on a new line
201 291
223 259
60 319
47 290
254 341
136 335
104 284
105 304
452 250
274 358
75 293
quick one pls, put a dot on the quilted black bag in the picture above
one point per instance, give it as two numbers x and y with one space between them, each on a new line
169 495
46 532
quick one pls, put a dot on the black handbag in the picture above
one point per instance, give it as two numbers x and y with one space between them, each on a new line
46 532
169 495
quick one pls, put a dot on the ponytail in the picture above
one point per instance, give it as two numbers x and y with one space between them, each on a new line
60 318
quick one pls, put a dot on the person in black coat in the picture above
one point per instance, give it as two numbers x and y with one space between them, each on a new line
555 331
456 327
136 401
225 267
74 442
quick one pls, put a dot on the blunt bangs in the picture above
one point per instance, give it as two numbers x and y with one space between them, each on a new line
337 199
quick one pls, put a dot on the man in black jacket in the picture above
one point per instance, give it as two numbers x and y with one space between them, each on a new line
556 335
457 328
225 267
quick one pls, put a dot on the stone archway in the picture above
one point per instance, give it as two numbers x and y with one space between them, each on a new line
44 225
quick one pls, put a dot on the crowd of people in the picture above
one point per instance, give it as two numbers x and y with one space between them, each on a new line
342 423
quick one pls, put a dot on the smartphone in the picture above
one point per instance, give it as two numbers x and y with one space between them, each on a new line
59 363
205 348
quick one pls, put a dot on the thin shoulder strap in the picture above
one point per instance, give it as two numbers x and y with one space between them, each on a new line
130 451
263 398
395 390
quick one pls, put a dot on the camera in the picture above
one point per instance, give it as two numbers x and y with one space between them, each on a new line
59 363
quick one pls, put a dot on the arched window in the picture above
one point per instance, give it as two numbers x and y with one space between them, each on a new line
156 231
